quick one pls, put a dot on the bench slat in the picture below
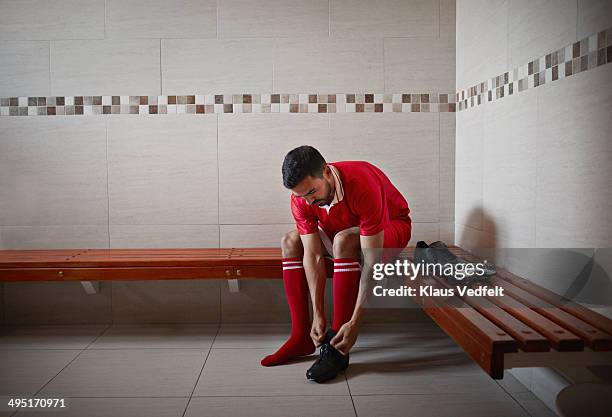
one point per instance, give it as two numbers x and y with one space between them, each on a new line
560 338
589 316
529 340
593 337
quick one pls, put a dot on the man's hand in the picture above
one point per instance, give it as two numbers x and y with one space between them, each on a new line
344 340
317 332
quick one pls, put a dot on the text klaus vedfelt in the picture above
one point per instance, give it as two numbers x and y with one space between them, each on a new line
456 271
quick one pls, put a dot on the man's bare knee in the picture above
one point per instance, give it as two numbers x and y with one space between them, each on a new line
346 245
291 245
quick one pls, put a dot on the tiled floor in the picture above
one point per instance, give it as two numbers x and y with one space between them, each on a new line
192 370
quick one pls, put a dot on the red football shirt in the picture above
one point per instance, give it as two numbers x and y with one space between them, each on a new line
365 198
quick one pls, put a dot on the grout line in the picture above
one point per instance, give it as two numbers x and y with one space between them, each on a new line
107 187
49 50
202 369
161 78
329 19
350 395
439 175
217 19
577 19
218 188
73 359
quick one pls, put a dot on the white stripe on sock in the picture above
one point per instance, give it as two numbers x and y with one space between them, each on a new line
346 270
345 263
291 262
293 267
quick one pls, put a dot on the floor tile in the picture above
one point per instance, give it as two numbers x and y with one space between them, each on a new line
140 336
49 337
399 335
26 371
303 406
452 405
117 407
238 372
130 372
238 336
416 370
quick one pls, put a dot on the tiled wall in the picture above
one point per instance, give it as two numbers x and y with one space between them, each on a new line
208 179
533 168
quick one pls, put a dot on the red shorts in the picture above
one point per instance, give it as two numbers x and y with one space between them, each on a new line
397 234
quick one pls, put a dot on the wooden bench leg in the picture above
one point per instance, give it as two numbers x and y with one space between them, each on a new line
233 285
91 287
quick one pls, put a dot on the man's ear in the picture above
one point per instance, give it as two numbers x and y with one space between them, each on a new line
327 172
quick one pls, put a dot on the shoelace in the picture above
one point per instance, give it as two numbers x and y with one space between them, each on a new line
326 351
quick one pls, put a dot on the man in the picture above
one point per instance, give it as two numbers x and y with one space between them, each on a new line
341 207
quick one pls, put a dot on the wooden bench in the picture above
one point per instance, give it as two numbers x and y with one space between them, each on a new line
528 327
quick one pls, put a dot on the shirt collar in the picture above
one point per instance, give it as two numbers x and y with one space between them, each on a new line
339 189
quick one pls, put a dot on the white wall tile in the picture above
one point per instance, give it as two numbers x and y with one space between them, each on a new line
25 69
161 19
480 57
273 18
469 167
364 19
429 232
574 191
253 235
46 20
447 166
538 27
162 170
122 67
216 66
53 237
593 16
164 236
447 232
251 152
403 145
509 168
420 65
447 18
260 301
328 66
56 303
53 171
166 301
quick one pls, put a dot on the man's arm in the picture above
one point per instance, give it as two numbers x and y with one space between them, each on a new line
371 247
314 268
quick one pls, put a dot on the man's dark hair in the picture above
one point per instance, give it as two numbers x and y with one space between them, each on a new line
300 163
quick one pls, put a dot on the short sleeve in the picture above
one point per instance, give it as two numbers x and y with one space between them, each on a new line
305 221
371 207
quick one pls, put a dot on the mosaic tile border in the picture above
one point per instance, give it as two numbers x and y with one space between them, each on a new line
588 53
236 103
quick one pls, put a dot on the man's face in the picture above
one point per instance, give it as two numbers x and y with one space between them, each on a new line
316 191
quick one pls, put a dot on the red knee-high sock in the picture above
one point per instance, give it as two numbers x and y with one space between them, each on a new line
346 287
296 290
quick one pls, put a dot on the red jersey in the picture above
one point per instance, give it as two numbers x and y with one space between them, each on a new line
365 197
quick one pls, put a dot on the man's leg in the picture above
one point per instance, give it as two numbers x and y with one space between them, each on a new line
346 251
347 273
296 290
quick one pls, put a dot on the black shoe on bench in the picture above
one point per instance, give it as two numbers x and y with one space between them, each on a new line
330 361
